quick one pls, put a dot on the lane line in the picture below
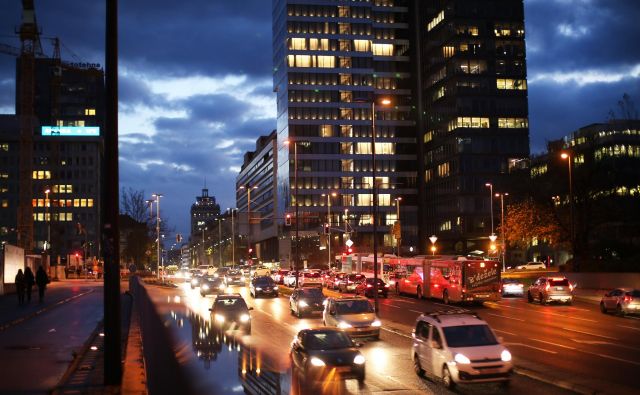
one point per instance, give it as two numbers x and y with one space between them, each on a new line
390 305
396 332
590 333
614 358
548 313
416 311
552 344
629 327
503 316
508 333
533 347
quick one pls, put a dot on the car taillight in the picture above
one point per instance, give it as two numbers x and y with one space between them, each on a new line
627 298
570 287
547 287
386 286
369 285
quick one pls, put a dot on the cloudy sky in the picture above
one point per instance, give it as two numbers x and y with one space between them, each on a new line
195 82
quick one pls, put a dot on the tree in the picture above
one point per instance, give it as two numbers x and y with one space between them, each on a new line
134 205
528 220
626 109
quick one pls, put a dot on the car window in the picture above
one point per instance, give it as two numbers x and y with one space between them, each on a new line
559 282
435 336
312 275
422 330
263 281
231 303
329 340
635 293
311 293
469 336
353 307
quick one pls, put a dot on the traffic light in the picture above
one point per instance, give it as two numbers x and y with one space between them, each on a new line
349 250
287 220
327 228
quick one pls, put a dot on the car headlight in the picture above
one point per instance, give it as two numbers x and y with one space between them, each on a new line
258 289
302 303
194 281
376 323
359 359
222 287
343 325
317 362
505 356
275 288
461 359
205 287
219 318
245 318
215 275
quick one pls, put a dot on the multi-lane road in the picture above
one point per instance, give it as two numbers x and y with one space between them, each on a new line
554 347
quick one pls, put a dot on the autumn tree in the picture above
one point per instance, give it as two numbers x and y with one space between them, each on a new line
527 220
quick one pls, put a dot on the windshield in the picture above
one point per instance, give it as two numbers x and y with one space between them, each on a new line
235 303
559 283
635 293
312 275
329 340
370 281
261 281
314 293
510 281
234 273
469 336
214 280
353 307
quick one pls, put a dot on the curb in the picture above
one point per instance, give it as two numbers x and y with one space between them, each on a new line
577 388
17 321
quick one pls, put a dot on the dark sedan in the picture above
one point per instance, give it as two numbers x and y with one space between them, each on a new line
319 355
234 277
210 285
231 311
366 288
306 300
264 285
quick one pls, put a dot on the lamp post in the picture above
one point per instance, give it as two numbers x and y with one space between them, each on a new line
490 186
567 157
48 218
233 238
220 241
295 181
398 240
433 240
249 189
502 230
329 195
157 197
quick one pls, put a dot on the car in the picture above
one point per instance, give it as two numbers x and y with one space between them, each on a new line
234 277
195 280
550 289
306 300
354 315
206 270
532 266
458 347
290 279
184 273
212 285
338 279
329 281
264 285
231 311
366 288
279 276
512 286
222 271
323 354
622 301
260 272
311 279
350 282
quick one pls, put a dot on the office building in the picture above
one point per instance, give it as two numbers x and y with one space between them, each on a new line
472 89
203 212
332 60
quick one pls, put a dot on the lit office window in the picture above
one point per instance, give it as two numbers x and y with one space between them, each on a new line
382 49
513 123
298 44
90 111
361 45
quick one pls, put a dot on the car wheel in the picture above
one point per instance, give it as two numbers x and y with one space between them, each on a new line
603 309
417 367
361 380
447 380
542 302
445 297
419 292
529 297
619 311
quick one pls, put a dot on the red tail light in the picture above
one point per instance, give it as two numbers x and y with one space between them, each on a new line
369 285
570 287
547 287
627 298
386 286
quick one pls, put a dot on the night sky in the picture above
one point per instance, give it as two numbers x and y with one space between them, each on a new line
196 89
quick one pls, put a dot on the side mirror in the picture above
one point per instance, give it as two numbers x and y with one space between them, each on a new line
250 308
210 309
435 344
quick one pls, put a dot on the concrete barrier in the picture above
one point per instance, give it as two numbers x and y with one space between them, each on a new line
164 373
586 280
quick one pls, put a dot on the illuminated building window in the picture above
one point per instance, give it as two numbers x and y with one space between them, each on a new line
443 170
381 148
5 203
326 131
5 175
469 122
578 159
446 225
326 61
448 51
319 44
435 21
513 123
391 219
467 66
41 175
617 150
382 49
89 111
511 84
362 45
64 188
538 170
384 199
428 175
4 147
364 199
298 44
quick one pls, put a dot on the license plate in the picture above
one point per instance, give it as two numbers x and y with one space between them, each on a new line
343 369
559 288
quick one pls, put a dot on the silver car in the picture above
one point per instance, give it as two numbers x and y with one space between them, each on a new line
550 289
622 301
353 315
513 287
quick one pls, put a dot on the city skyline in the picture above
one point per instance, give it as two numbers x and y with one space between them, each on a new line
202 85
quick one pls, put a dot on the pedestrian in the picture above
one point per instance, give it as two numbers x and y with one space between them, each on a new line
20 287
29 282
41 280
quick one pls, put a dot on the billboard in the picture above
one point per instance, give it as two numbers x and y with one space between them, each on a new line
71 131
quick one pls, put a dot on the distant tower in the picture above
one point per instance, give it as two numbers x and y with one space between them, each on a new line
202 211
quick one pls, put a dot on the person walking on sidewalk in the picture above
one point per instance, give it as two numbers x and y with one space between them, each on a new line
41 280
20 287
29 282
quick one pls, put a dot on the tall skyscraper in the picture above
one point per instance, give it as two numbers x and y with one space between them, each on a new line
332 60
472 89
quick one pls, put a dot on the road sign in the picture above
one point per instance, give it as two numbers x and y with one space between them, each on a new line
349 243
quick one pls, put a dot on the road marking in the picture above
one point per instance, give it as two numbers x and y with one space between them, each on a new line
580 308
629 327
548 313
605 343
533 347
590 333
396 332
504 316
390 305
552 344
508 333
416 311
614 358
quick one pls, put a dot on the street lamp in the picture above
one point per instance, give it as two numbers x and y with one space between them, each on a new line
567 157
398 240
490 186
219 241
48 218
295 181
433 240
329 196
249 189
502 230
157 197
233 238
